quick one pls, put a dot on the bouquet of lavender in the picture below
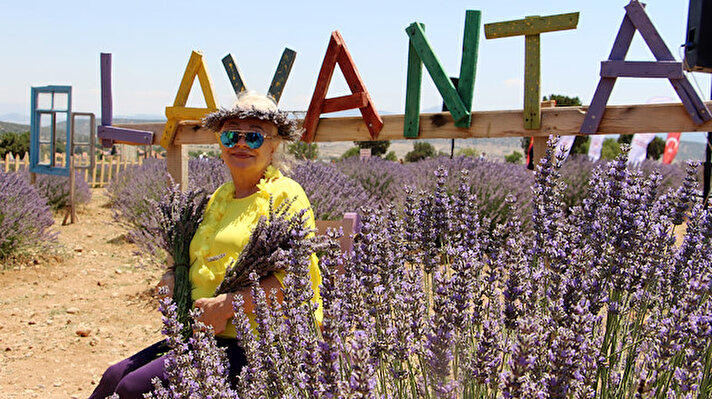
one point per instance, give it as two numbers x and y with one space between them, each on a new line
274 235
177 218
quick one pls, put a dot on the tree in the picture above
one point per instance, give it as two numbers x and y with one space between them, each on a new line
514 157
469 152
625 139
656 148
303 150
581 143
563 101
378 148
15 143
351 152
610 149
421 150
391 156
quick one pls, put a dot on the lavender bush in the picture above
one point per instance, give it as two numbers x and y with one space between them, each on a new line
56 189
25 217
132 191
597 301
382 180
207 174
330 192
576 173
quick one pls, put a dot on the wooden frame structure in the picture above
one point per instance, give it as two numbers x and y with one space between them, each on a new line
532 121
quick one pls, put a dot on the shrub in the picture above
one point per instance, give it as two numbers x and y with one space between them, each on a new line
330 192
56 189
131 190
383 180
576 172
490 181
421 150
207 174
25 217
596 303
514 157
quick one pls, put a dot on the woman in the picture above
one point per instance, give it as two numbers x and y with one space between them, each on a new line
249 135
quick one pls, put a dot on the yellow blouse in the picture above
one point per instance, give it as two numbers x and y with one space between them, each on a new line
226 229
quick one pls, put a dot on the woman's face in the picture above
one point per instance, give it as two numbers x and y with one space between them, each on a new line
242 160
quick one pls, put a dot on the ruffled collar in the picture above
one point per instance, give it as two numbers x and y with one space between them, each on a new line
270 176
215 212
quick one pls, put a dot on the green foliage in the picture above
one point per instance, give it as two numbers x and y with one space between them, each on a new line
514 157
351 152
625 139
378 148
15 143
524 142
303 150
580 145
391 156
656 148
421 150
468 152
563 101
610 149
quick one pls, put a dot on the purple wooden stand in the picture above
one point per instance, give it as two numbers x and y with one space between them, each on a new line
107 133
665 67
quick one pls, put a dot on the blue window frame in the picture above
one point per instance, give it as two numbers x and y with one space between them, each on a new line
50 128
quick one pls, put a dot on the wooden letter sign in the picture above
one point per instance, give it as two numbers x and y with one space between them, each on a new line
457 100
196 66
531 27
616 67
338 53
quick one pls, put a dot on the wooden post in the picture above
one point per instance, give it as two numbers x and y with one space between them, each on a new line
71 211
531 27
539 148
111 167
101 171
177 163
7 162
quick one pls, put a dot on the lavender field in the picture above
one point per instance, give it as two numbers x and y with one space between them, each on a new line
472 279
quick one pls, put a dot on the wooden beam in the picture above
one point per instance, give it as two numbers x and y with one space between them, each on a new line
531 25
641 69
352 101
618 119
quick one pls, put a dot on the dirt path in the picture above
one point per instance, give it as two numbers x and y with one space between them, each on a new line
61 325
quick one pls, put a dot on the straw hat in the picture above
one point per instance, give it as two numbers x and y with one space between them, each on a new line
251 104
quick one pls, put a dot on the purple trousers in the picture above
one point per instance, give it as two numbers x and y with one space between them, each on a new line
131 378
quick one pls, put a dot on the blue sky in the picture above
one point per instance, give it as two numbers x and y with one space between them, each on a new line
50 42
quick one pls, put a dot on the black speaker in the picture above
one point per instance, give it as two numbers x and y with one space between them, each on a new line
698 45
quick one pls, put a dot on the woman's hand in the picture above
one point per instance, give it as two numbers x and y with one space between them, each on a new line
168 280
216 311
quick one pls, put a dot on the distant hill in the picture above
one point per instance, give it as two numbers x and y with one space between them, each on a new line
690 150
13 127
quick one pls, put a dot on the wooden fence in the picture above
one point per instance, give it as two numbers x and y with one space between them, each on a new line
105 167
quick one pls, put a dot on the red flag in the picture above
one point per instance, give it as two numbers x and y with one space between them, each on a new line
671 146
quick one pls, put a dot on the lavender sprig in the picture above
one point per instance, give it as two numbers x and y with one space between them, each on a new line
269 241
177 217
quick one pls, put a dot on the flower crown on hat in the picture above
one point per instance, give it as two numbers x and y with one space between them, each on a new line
251 104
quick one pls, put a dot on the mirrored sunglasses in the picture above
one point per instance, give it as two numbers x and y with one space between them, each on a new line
254 140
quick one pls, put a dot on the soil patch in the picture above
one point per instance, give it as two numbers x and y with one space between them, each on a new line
62 323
